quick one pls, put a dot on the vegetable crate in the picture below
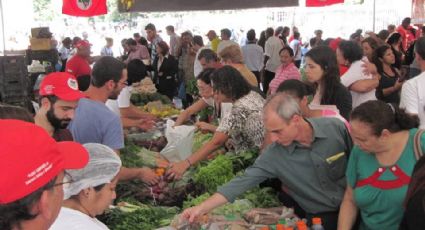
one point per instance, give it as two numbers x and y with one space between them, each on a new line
51 56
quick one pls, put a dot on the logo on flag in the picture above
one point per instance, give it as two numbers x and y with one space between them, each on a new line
84 4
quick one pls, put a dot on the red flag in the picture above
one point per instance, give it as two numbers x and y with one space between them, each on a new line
84 8
315 3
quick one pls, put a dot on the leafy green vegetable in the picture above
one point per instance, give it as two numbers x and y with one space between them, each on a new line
200 139
136 216
205 113
216 173
192 87
262 197
243 159
193 201
237 208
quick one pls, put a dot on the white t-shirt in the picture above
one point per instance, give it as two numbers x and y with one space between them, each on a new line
197 67
225 43
123 101
296 47
253 55
413 97
355 73
70 219
271 49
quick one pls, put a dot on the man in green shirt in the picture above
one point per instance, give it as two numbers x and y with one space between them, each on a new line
309 156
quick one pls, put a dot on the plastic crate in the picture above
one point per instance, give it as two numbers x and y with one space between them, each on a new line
51 56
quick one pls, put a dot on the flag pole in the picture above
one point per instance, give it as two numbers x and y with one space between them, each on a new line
2 27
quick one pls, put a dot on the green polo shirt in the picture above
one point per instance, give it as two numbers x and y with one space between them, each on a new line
314 176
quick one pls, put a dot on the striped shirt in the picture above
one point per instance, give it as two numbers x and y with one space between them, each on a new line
284 73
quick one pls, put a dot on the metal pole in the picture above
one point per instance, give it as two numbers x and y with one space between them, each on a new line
2 27
374 14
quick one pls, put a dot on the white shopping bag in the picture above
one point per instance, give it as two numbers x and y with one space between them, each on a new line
180 141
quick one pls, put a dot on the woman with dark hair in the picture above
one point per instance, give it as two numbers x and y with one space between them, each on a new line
395 41
414 202
203 82
262 40
131 116
243 125
390 83
362 86
380 166
369 45
165 69
322 70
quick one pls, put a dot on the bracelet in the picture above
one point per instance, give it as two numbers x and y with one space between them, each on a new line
188 161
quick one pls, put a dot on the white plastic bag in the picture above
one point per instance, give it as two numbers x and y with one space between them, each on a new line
180 141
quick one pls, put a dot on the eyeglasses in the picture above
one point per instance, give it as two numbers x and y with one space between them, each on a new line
67 179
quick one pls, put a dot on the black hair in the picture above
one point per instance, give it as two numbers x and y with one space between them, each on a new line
150 26
296 35
52 99
136 71
285 29
229 81
406 21
295 88
287 48
380 115
131 42
67 40
393 38
15 112
250 35
136 35
262 40
227 32
269 32
12 214
198 40
143 41
325 57
106 69
205 75
377 55
208 54
383 35
351 51
187 33
170 28
420 47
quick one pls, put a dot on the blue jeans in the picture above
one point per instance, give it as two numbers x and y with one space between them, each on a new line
182 91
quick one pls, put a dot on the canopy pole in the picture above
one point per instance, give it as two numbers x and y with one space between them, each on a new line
374 14
2 27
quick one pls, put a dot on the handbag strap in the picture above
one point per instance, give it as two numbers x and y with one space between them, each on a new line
417 147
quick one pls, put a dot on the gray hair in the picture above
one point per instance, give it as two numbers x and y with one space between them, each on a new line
284 105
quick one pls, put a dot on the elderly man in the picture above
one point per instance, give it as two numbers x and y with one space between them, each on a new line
32 197
309 156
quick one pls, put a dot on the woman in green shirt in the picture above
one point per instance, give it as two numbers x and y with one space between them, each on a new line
380 166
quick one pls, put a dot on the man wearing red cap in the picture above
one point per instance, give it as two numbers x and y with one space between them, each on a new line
32 166
59 96
79 65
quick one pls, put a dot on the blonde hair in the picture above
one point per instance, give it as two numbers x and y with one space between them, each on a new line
232 53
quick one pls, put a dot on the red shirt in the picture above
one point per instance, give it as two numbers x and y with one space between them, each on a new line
78 66
406 35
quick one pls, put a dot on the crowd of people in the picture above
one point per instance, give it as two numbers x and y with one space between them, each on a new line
337 122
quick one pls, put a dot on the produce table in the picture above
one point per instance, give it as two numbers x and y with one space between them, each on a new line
139 206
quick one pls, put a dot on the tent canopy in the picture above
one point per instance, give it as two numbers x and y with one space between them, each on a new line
190 5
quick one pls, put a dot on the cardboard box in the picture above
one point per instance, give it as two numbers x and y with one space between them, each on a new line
41 32
40 43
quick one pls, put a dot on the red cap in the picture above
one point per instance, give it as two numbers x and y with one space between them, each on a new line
82 43
30 158
63 85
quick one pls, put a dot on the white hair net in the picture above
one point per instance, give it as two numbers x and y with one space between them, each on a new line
103 166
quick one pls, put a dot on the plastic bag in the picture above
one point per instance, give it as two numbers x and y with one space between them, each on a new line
180 141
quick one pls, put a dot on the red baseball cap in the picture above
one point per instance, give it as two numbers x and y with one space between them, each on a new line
82 43
30 158
63 85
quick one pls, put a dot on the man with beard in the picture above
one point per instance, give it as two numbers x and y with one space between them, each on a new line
59 96
94 122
